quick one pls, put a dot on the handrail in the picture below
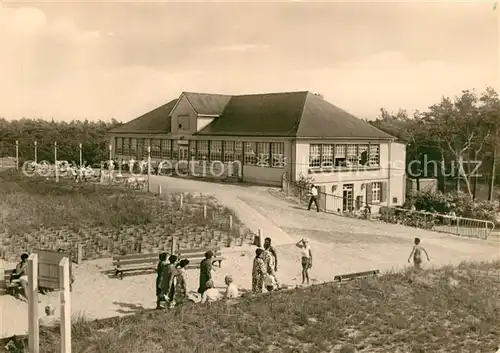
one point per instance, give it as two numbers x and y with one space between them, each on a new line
489 226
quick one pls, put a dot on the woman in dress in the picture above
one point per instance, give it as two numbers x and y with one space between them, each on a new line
181 282
205 271
306 259
259 270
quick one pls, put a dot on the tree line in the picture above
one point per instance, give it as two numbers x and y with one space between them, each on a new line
68 135
454 133
461 135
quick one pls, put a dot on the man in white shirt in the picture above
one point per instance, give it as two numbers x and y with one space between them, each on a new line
314 198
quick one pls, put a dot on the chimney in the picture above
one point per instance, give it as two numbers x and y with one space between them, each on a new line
319 95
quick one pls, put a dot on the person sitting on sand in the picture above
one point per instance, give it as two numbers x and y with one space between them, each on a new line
160 270
231 289
306 259
211 294
21 274
259 270
270 282
417 254
181 282
205 271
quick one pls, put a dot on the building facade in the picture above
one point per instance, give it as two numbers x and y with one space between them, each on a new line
257 138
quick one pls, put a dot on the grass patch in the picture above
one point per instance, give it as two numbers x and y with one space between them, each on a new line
36 212
453 309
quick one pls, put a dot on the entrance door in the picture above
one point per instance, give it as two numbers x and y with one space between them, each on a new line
347 197
183 152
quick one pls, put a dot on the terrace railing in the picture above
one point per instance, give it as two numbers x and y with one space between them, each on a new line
461 226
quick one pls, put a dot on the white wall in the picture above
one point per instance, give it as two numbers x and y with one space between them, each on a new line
391 172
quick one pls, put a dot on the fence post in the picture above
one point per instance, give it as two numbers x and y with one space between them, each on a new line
79 253
64 286
458 225
33 323
17 155
182 201
173 245
159 189
230 222
205 211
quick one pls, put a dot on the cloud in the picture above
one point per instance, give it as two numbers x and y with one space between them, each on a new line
65 64
242 47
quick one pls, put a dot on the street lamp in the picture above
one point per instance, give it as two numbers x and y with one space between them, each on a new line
149 167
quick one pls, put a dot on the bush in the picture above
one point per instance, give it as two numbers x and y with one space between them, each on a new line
460 203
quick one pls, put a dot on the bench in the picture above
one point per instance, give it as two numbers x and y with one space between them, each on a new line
11 287
355 275
135 262
196 256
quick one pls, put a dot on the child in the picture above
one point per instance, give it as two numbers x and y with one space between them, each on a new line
269 282
417 254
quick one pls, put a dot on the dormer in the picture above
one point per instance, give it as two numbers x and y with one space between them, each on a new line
194 111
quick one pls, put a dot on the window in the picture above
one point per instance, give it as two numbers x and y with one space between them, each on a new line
376 191
133 148
340 155
238 150
277 154
250 153
126 146
326 155
263 154
118 145
202 150
215 150
374 156
166 148
155 148
142 151
175 150
352 155
363 155
183 121
314 156
228 151
192 150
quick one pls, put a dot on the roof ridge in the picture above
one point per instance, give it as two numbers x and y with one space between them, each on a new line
296 126
268 93
208 94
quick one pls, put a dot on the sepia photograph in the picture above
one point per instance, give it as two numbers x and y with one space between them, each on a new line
248 176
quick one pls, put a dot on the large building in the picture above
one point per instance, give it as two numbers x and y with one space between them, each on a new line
259 137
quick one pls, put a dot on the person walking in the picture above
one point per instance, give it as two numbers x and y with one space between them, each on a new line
314 197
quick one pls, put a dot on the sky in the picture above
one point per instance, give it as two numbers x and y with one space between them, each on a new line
102 60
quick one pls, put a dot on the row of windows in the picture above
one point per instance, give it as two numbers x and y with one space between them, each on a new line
264 154
344 155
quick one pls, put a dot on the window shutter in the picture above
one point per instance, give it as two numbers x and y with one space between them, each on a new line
383 192
369 194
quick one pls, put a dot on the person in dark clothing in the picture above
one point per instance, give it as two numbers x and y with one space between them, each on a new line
168 280
160 269
205 271
314 198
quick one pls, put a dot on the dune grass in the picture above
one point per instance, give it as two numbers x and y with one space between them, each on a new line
33 210
453 309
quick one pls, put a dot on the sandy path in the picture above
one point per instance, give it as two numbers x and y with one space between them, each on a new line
339 245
